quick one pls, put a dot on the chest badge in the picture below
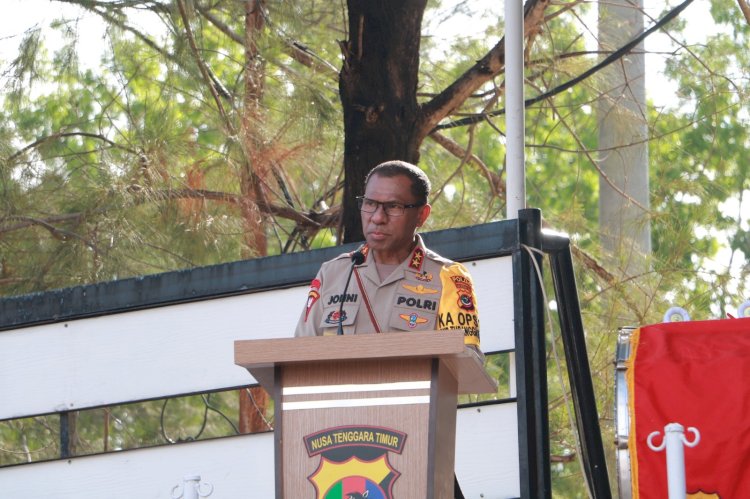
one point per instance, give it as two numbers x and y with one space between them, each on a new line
336 318
423 276
420 289
413 320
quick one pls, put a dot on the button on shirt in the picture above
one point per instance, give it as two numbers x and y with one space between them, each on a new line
425 292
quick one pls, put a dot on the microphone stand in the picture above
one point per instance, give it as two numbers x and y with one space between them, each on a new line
357 259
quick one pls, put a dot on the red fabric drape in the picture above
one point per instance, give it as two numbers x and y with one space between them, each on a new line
696 374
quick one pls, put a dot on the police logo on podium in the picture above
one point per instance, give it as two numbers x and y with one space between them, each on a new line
354 461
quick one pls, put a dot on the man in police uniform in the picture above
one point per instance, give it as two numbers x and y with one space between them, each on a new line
401 285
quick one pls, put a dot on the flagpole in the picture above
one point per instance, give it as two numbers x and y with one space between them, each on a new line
674 439
515 181
514 109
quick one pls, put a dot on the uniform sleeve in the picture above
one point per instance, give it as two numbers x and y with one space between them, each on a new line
458 304
310 317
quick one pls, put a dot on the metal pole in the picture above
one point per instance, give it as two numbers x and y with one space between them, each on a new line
65 434
514 109
577 361
674 438
531 371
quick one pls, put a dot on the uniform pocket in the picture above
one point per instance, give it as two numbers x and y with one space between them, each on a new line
413 313
332 315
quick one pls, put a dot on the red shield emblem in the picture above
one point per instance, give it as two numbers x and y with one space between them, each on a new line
354 461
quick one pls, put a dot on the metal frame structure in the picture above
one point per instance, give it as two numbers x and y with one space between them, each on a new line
511 238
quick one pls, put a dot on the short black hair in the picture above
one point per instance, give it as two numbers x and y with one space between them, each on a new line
420 183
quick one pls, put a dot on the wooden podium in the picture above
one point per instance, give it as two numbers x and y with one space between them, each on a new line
365 415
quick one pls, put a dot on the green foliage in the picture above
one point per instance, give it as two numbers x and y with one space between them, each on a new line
121 427
142 165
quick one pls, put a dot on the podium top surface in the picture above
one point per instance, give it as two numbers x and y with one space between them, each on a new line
261 356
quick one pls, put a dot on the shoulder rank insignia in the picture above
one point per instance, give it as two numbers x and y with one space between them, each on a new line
417 258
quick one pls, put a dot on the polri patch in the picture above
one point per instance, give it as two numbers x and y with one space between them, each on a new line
354 461
465 292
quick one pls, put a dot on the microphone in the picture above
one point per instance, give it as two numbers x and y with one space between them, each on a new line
358 258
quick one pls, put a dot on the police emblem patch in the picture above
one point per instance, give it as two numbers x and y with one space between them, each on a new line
413 320
465 292
335 317
354 461
312 296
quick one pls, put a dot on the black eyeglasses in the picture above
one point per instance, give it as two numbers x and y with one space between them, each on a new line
391 209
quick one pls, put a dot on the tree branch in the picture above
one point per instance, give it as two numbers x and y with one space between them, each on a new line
56 232
614 56
484 70
205 72
23 222
61 135
220 25
496 183
310 219
104 14
294 49
745 8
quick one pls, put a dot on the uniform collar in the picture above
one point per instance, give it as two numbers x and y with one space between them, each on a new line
413 263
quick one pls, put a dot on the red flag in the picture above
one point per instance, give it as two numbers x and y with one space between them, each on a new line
696 374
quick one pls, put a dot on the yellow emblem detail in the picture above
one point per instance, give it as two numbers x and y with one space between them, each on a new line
424 276
330 473
413 320
420 289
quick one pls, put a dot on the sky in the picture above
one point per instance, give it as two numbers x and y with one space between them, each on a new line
21 15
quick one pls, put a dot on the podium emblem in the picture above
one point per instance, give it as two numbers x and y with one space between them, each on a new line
354 461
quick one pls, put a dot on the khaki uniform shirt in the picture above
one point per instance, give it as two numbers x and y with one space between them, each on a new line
426 292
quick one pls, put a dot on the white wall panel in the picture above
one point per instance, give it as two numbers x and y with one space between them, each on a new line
136 355
181 348
487 463
243 466
237 467
493 280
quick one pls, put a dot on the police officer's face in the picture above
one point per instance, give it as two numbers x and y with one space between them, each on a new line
391 237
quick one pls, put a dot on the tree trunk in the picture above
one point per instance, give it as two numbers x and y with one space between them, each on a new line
254 402
254 169
623 132
378 90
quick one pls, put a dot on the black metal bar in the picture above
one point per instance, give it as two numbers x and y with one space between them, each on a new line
524 381
579 373
65 434
531 368
215 281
